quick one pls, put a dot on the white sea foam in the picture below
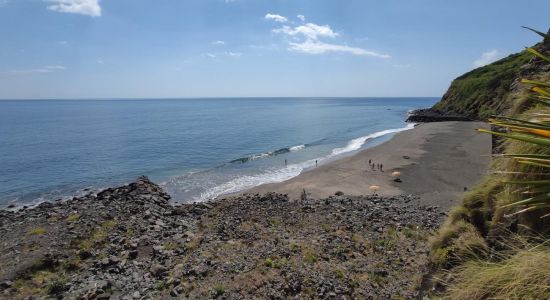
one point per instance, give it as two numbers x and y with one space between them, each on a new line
356 144
261 155
249 181
297 148
282 174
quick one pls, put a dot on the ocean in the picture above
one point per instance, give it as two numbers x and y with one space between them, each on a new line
196 149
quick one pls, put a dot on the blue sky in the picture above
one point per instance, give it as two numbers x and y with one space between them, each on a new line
234 48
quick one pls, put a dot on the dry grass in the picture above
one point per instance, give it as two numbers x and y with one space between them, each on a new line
524 275
37 231
73 217
455 243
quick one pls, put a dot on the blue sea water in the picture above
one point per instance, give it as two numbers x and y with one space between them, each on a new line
196 149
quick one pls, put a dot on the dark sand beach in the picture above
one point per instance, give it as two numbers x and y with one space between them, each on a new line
436 161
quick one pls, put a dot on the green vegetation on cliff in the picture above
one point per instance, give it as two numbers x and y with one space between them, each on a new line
495 244
484 91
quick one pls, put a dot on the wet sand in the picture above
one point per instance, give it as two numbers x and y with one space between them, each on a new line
437 162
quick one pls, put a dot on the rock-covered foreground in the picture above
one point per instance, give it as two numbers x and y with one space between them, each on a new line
130 243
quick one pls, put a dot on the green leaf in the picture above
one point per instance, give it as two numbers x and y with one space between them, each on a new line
526 155
520 137
541 91
536 53
535 31
546 103
537 125
532 163
529 182
525 126
538 83
543 197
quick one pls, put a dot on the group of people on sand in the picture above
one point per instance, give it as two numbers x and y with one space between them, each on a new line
379 167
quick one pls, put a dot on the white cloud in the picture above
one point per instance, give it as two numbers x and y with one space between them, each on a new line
309 31
233 54
211 55
487 58
44 69
99 61
317 47
301 17
276 18
218 43
84 7
307 39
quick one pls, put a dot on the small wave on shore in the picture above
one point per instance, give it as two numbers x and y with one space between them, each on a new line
357 143
267 154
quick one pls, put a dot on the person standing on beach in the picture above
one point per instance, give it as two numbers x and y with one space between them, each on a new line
286 162
382 167
316 163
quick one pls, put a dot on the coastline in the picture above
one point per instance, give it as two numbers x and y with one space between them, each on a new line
435 160
130 242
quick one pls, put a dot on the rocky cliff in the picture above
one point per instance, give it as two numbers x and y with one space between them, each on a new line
494 88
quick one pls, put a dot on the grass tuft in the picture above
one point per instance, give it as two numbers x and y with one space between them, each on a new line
37 231
524 275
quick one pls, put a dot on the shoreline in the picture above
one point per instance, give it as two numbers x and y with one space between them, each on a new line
350 174
431 158
130 238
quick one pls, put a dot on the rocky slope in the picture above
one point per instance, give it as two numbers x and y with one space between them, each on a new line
130 243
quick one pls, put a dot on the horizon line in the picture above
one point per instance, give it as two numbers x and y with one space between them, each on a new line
228 97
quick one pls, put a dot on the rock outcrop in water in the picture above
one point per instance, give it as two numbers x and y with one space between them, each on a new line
130 243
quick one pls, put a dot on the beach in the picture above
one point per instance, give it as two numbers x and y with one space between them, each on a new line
126 241
437 162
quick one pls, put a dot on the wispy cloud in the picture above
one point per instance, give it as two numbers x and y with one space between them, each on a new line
307 38
84 7
301 17
63 43
233 54
276 18
44 69
218 43
487 58
224 54
316 47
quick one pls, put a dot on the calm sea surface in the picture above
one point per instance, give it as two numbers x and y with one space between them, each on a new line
196 148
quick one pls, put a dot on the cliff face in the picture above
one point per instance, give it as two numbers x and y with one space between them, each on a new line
495 88
484 91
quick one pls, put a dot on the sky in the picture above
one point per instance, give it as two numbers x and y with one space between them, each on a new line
81 49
